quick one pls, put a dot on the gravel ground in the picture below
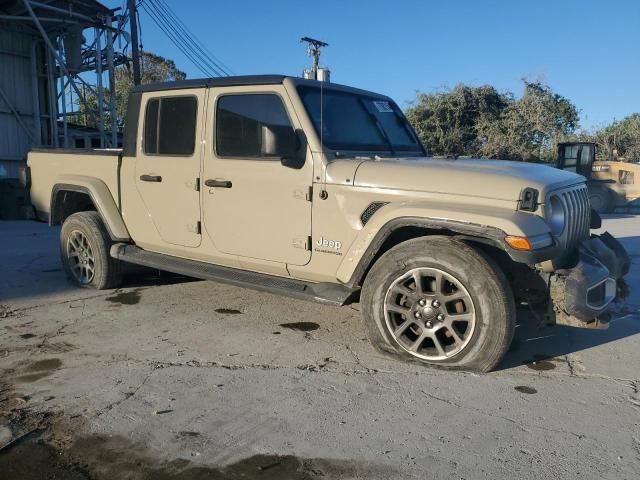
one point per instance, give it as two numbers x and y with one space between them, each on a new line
170 378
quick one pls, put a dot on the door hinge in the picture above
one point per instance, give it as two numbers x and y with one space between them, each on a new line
199 227
302 243
303 194
197 184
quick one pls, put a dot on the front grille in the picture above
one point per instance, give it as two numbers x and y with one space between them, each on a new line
578 214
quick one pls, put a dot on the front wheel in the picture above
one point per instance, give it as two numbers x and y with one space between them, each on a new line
438 301
602 198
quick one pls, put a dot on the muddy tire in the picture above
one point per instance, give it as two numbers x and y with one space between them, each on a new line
602 198
84 251
437 301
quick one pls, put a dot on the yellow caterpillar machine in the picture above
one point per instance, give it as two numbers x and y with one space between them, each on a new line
611 183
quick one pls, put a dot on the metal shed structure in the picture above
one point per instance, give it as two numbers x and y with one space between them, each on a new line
57 58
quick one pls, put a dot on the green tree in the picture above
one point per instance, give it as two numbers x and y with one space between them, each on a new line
620 139
154 69
448 121
479 121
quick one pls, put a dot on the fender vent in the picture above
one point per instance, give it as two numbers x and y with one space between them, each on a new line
370 210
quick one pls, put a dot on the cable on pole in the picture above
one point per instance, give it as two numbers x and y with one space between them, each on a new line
168 22
172 37
195 40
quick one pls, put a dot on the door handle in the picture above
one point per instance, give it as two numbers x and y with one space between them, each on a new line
218 183
151 178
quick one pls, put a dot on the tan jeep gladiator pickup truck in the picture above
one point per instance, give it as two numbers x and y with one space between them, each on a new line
324 192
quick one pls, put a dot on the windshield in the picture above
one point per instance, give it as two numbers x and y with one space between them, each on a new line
358 122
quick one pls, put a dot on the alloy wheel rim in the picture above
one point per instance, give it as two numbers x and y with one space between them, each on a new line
429 313
80 255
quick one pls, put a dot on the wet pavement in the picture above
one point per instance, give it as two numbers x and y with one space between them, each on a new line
173 378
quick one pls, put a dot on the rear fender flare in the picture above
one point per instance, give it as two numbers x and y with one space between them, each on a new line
101 197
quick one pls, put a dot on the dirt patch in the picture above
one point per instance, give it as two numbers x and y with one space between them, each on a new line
33 459
48 445
540 363
18 420
525 389
45 347
32 377
126 298
116 457
228 311
301 326
57 347
541 366
40 365
6 312
37 370
102 457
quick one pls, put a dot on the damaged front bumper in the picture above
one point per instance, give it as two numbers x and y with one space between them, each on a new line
581 295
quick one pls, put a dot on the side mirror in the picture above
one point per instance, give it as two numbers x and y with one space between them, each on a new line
283 142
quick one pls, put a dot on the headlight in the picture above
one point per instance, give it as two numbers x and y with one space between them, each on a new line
556 215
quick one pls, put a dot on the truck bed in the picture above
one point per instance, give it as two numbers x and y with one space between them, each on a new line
49 167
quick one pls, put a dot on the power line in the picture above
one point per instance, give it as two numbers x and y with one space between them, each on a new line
175 40
166 29
196 41
183 39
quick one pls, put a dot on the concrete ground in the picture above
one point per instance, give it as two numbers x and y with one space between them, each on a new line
171 378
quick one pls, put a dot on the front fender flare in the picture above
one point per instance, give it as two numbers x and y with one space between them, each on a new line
487 229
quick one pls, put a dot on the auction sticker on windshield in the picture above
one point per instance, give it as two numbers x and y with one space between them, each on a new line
383 107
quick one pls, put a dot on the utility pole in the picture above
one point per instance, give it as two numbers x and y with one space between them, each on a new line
313 50
135 54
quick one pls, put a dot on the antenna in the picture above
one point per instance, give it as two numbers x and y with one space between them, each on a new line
313 50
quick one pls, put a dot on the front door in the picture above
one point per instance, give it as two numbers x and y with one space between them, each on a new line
253 205
168 168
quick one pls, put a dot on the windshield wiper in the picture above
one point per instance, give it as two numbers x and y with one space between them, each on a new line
379 126
383 133
343 156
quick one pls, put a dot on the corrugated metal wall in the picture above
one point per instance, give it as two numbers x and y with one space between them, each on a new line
17 80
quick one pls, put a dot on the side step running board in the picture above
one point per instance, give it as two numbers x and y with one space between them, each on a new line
330 293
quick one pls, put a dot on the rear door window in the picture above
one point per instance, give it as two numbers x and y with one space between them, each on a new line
170 126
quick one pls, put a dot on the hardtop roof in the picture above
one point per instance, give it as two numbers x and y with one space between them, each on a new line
241 80
230 81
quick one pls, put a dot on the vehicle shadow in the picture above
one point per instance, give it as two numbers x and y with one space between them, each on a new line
53 281
148 277
30 265
533 343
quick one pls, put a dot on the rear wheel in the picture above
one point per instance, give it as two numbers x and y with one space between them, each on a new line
84 251
438 301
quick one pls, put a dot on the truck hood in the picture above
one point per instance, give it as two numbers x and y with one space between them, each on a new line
497 179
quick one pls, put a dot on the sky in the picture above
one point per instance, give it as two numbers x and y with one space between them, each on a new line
585 50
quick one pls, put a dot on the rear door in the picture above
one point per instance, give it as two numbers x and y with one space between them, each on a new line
168 167
255 207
